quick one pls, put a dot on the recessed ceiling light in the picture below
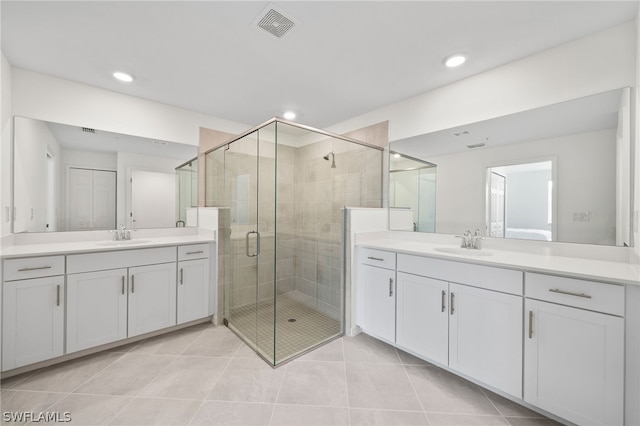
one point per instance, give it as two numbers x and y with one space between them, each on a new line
289 115
123 76
454 60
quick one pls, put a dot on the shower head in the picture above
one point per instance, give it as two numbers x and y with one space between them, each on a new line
333 159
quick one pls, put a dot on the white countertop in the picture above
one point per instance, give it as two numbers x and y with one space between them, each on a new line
74 247
599 270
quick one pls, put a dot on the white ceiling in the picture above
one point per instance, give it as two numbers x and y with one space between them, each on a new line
340 60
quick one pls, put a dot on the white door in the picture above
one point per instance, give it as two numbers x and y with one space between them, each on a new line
193 290
32 321
379 302
104 199
80 200
485 336
423 320
96 308
574 363
152 298
153 199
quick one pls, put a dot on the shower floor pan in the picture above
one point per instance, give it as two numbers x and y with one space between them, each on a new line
298 328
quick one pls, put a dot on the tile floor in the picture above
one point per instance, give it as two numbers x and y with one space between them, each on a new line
205 375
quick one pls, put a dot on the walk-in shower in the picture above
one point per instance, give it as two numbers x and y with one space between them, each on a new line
281 231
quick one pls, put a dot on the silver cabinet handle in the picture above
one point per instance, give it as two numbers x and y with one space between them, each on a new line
390 287
379 259
133 284
570 293
444 298
123 284
530 324
452 298
195 252
58 295
38 268
181 276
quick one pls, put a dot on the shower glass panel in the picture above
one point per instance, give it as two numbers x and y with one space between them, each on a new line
281 190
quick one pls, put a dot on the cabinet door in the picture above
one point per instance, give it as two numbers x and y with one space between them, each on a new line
485 336
32 321
152 298
193 290
574 363
379 302
422 317
96 308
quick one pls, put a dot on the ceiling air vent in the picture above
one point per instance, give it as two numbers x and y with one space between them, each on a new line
275 22
88 130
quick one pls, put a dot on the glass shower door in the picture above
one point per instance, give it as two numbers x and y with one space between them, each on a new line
249 304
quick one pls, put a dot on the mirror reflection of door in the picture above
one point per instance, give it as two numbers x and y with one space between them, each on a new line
521 201
91 199
498 186
153 199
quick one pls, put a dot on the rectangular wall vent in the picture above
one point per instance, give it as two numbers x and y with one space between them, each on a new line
88 130
275 23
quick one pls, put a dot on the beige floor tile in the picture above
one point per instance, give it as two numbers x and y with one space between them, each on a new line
509 408
214 342
150 411
332 351
366 417
14 403
244 351
10 382
382 386
69 375
232 413
187 377
314 383
303 415
127 376
172 343
87 410
408 359
436 419
248 380
442 392
364 348
525 421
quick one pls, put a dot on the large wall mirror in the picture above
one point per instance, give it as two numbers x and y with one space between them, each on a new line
556 173
70 178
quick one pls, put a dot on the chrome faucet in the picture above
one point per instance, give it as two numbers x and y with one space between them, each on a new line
471 241
121 234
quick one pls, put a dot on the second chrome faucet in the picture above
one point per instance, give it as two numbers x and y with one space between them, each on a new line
471 241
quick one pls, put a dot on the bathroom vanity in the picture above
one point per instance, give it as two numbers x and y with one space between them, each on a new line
547 331
61 300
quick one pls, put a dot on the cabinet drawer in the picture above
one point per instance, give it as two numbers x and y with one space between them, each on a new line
193 251
380 258
595 296
488 277
88 262
33 267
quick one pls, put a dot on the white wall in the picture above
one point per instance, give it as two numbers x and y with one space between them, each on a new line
583 161
6 124
593 64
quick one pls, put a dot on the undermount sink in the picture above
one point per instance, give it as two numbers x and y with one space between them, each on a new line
463 251
122 243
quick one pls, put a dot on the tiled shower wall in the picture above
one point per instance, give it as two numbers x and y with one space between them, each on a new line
309 205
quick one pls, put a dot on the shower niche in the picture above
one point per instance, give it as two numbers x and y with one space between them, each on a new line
281 189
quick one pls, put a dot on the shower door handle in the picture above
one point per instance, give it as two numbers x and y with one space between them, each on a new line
257 244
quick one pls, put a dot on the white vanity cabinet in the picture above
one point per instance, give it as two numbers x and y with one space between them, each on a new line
193 282
378 289
422 321
465 316
32 310
119 294
574 349
96 308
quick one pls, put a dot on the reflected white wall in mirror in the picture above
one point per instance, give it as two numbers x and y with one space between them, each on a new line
589 140
69 178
